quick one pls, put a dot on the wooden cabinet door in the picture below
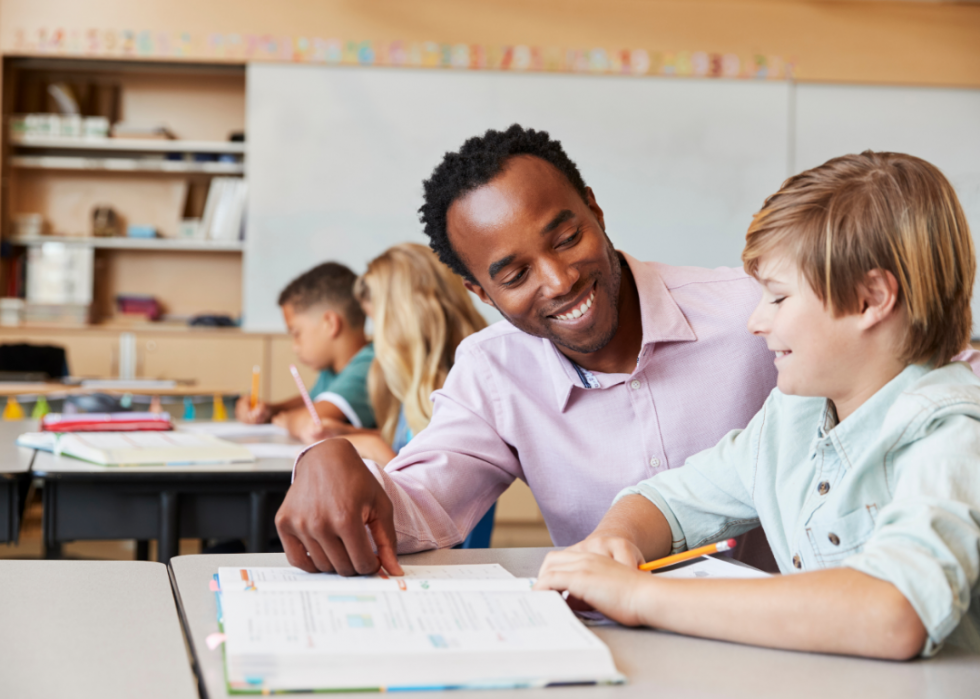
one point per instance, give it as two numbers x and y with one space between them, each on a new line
89 354
213 361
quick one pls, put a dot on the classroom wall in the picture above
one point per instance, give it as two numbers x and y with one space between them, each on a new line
910 43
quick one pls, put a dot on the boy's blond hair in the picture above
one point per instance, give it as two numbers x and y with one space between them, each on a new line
421 313
887 211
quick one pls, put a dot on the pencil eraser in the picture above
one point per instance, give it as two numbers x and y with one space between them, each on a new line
731 543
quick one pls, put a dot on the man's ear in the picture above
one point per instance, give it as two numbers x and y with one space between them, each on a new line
334 322
478 290
878 296
594 207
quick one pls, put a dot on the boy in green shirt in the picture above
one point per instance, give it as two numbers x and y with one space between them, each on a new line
327 326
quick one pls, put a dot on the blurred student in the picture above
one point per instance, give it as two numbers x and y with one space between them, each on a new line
326 323
861 465
421 312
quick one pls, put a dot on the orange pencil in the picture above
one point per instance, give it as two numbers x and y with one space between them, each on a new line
688 555
253 399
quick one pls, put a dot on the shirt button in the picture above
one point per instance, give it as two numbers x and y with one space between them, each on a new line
834 539
823 488
634 384
655 462
797 562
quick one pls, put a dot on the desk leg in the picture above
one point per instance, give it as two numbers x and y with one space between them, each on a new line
258 538
49 504
168 540
142 550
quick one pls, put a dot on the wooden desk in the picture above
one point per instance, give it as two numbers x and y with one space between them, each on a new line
657 664
84 629
167 503
15 477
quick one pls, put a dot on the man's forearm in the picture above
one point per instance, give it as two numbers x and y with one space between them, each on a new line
839 610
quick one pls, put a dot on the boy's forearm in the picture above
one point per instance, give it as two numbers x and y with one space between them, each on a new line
640 521
829 611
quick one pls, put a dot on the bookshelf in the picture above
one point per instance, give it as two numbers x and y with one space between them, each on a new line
156 183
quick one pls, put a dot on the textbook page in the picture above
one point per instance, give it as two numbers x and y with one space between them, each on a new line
312 640
489 576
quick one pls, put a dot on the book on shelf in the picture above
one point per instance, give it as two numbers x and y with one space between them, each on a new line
438 627
224 209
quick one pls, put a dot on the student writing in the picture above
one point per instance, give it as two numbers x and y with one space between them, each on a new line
421 312
862 464
327 327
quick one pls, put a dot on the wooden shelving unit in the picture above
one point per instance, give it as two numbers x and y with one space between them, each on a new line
150 182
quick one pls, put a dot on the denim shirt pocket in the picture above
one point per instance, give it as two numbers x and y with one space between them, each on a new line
834 540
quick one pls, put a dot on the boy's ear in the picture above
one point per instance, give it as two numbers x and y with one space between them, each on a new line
478 290
878 296
334 322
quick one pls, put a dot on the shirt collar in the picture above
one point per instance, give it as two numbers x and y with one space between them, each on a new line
661 317
851 437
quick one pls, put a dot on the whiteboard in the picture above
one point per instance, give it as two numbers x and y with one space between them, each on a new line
336 158
937 124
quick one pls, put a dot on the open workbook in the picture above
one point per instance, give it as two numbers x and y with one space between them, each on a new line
438 627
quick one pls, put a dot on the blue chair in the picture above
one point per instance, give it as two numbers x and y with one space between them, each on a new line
479 537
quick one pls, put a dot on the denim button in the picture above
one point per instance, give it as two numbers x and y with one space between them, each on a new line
834 539
797 562
823 488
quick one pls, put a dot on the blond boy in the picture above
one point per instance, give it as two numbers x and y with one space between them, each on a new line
862 466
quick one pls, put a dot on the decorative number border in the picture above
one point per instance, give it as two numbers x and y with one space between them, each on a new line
126 43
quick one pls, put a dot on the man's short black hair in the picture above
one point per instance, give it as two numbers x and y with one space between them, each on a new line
480 160
330 283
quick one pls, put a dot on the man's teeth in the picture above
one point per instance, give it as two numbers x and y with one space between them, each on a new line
781 353
580 311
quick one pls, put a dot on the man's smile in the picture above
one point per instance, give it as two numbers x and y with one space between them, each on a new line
579 307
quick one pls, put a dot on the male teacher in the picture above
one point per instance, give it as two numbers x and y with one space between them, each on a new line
609 370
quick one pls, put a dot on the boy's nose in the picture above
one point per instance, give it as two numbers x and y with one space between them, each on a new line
758 322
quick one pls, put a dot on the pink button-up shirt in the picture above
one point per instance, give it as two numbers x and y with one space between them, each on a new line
514 407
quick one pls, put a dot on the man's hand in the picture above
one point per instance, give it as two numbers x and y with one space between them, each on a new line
612 588
244 412
322 520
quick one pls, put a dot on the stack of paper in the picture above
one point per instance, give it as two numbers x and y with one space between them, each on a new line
439 627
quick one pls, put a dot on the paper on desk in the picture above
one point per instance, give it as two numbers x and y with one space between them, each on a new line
287 578
230 430
709 567
264 450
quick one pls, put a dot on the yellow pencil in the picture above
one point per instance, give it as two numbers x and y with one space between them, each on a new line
688 555
253 399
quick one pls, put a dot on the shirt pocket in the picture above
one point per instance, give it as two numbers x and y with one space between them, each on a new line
835 540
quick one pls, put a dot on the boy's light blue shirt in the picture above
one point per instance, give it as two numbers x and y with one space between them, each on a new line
892 491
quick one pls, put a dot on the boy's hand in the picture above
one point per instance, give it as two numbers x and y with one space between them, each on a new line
617 548
322 520
607 586
244 412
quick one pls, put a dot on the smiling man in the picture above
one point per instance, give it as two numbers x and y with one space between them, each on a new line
608 370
